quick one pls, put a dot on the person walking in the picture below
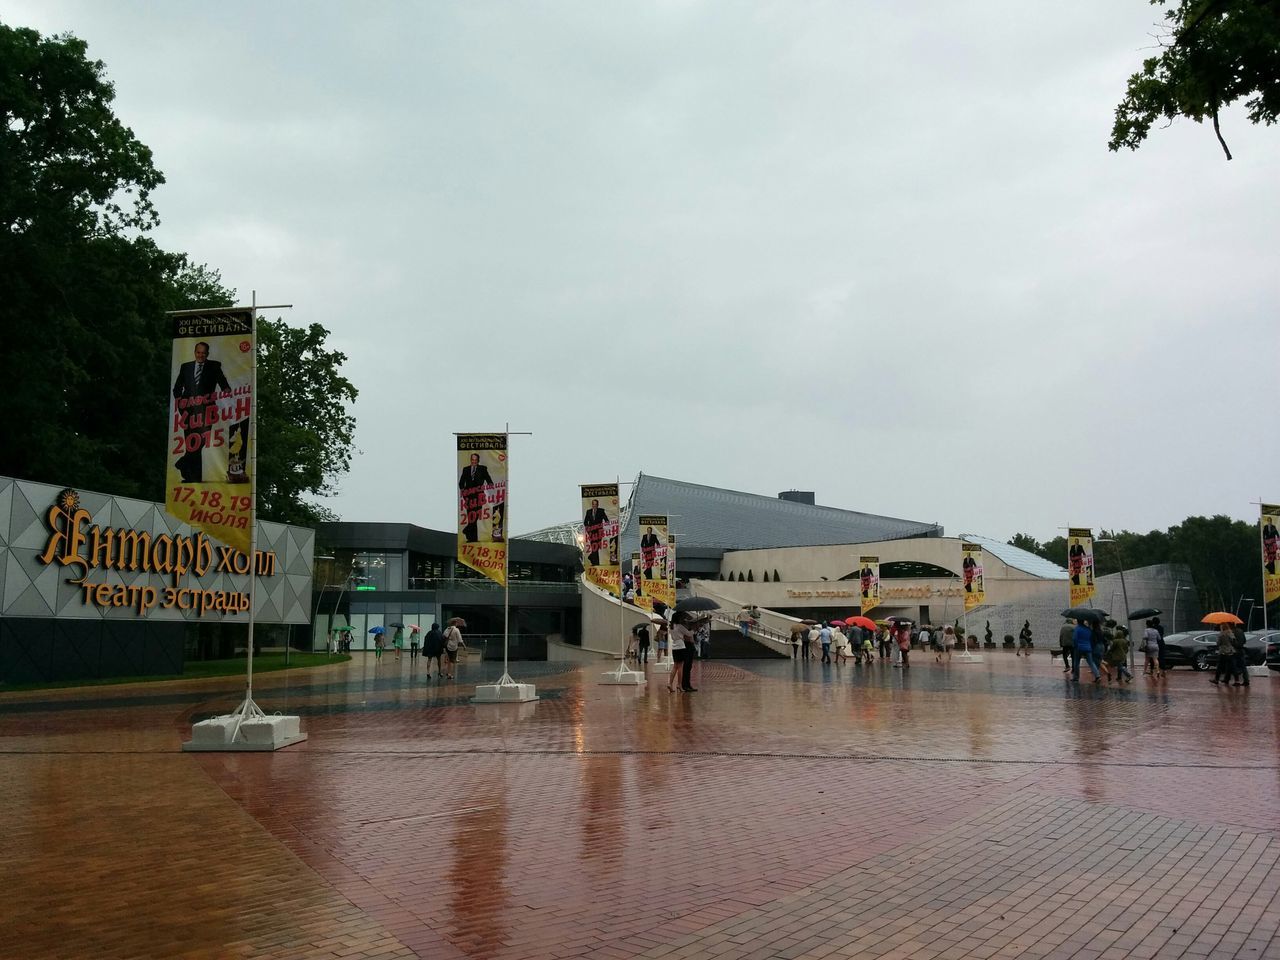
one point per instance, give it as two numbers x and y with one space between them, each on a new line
926 638
1067 644
1226 667
433 648
806 643
824 638
1151 648
1118 656
840 644
682 652
378 644
641 631
397 641
1083 637
868 646
903 630
1159 628
1241 659
948 642
415 634
1024 639
1103 644
744 621
453 642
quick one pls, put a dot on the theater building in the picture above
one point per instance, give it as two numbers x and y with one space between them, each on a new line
95 586
371 575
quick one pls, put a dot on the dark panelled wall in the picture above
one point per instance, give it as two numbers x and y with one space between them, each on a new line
43 650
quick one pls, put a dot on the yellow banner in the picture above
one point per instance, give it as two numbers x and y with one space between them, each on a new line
211 427
656 568
1270 552
1080 565
869 577
600 535
975 588
639 589
482 503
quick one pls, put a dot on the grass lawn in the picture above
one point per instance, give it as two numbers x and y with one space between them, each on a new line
198 669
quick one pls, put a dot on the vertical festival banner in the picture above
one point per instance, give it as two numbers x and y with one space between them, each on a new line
482 503
869 583
655 557
210 434
642 597
1080 564
975 589
1270 552
600 536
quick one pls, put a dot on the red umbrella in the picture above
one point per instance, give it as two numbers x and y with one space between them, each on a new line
866 623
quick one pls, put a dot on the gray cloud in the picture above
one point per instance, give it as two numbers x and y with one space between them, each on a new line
877 250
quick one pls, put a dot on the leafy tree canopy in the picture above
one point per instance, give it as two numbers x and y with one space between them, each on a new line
1213 52
1222 554
86 348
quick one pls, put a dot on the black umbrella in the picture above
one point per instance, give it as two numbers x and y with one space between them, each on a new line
1084 613
692 604
395 624
1144 614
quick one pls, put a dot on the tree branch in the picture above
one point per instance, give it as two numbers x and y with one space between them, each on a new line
1219 134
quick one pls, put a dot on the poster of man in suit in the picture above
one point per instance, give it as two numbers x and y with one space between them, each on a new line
1080 564
600 535
868 583
482 503
655 556
975 589
210 448
1271 552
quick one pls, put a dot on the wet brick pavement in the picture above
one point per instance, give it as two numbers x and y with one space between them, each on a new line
786 810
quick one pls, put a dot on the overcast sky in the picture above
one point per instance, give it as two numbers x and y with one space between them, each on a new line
878 250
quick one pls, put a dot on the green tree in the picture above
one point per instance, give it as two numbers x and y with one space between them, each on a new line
1025 541
307 434
1214 52
86 344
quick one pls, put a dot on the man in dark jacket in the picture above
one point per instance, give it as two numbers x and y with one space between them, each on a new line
433 648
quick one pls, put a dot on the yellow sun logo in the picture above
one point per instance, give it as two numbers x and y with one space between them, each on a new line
69 501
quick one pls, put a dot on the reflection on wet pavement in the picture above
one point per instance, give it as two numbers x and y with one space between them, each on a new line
786 809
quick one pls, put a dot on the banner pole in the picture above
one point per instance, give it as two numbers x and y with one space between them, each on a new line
253 501
506 558
1262 548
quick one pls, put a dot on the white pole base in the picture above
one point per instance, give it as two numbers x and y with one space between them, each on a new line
231 733
505 690
968 657
661 666
623 675
1261 670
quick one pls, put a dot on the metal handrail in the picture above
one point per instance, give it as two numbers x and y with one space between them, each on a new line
764 631
485 585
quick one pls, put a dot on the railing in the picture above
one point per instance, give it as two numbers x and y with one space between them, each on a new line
755 628
485 585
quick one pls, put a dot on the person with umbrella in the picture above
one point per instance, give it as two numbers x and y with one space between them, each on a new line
682 653
1067 643
378 643
1083 637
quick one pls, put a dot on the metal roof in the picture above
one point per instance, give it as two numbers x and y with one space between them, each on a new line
1018 558
712 517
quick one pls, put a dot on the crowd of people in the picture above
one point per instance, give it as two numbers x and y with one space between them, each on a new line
685 637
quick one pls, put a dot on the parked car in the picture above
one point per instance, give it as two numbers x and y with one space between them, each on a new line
1191 649
1270 639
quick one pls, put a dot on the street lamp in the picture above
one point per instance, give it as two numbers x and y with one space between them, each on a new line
1177 588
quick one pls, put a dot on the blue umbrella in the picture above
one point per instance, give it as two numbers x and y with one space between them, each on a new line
377 629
